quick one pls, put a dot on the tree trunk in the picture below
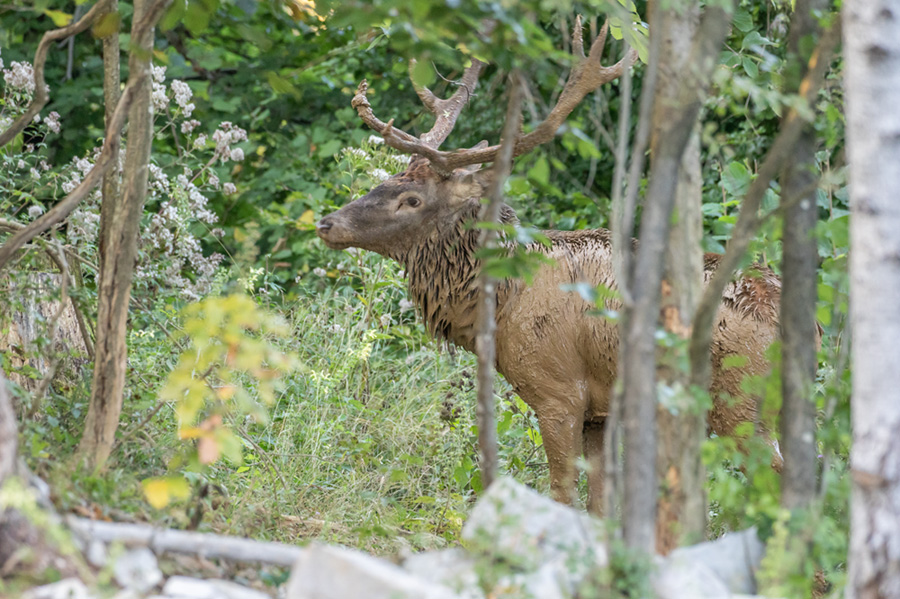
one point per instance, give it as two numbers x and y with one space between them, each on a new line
638 345
112 78
681 509
872 63
117 263
798 292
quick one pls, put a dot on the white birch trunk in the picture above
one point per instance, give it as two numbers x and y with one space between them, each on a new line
872 55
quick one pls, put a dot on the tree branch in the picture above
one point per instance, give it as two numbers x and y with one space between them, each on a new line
40 58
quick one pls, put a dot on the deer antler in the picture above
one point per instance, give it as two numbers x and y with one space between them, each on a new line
587 75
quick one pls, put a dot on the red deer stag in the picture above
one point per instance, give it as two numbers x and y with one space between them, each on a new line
558 358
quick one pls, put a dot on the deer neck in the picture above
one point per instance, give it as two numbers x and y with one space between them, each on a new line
442 274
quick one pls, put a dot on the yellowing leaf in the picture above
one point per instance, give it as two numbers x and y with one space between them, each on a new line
190 432
307 218
225 393
207 450
107 25
160 491
60 18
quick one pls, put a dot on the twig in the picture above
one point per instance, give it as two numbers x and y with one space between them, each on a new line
139 426
40 58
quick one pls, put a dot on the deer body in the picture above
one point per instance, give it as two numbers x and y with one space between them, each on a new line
561 360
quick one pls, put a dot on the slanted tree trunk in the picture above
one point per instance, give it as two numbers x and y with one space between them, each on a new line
872 66
798 292
117 261
486 325
681 509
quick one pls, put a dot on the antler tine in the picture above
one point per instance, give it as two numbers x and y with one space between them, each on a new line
447 111
426 95
578 38
597 46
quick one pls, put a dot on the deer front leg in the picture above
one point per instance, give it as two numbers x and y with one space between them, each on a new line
561 434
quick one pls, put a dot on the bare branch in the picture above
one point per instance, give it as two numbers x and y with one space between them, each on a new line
107 157
40 58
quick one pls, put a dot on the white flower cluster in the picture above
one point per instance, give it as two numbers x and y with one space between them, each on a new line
20 77
52 122
225 136
171 255
183 95
158 97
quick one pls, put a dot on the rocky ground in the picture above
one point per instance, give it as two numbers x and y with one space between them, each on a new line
516 544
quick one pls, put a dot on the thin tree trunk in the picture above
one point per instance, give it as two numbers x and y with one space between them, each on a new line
638 345
117 266
486 324
111 81
872 63
681 509
798 292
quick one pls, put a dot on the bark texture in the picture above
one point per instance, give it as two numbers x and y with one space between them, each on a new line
111 80
681 508
117 260
872 63
798 292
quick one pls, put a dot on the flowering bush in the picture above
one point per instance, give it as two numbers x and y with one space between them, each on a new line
176 218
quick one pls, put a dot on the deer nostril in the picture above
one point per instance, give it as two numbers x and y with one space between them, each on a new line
324 225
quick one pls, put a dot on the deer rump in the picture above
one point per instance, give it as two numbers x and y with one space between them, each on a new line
561 360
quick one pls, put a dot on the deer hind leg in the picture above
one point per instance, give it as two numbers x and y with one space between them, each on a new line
593 454
561 434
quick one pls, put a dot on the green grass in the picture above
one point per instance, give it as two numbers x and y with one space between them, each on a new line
371 444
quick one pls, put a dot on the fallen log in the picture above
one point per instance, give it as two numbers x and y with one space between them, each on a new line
164 540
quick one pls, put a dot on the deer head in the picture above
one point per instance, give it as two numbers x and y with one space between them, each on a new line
439 187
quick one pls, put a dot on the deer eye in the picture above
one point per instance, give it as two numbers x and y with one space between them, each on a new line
412 201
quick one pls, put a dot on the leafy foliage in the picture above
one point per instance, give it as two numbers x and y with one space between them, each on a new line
374 444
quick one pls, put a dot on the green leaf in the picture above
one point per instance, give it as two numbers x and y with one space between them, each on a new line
540 172
422 73
750 67
743 20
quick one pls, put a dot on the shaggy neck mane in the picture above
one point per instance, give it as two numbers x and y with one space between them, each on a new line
442 273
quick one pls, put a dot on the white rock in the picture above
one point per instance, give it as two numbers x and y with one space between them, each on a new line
325 572
688 579
524 528
550 581
453 568
68 588
184 587
734 559
137 570
96 553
